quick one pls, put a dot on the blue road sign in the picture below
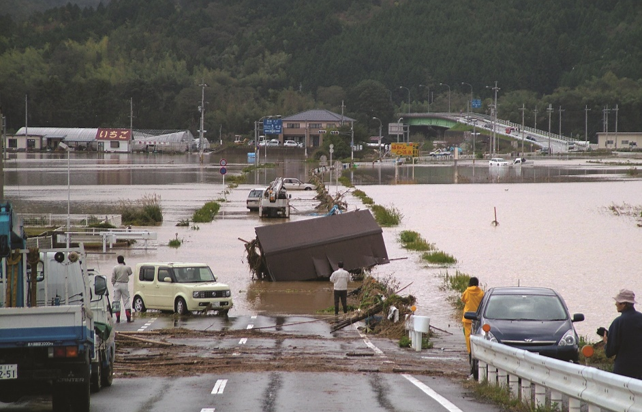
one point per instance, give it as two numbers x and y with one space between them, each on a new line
272 126
223 170
476 103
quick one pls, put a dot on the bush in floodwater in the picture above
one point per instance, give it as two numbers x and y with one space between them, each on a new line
142 212
439 257
176 242
413 241
206 213
386 217
365 199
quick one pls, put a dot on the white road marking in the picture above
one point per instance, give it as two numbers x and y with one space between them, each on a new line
219 387
208 409
147 325
243 341
441 357
253 317
430 392
236 353
250 326
369 344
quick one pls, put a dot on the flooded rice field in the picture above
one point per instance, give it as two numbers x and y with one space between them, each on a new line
555 228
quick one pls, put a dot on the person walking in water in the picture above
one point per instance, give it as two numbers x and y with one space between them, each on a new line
340 278
120 281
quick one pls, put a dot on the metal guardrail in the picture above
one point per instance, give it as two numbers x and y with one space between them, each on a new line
519 370
107 237
52 219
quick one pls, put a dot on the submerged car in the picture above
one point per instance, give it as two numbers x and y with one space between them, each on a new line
529 318
253 198
179 287
497 161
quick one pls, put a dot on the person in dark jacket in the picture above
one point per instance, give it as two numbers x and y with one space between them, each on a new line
624 338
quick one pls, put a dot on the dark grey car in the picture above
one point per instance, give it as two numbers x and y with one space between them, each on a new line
528 318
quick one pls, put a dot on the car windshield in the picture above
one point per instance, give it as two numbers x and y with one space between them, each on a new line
194 274
525 307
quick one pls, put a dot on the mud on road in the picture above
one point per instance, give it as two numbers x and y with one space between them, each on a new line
183 352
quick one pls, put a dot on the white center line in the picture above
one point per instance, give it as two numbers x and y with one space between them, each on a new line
243 341
219 387
430 392
147 325
250 326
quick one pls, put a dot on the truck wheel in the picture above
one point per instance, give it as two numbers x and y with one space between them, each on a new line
97 377
180 307
108 372
139 305
79 396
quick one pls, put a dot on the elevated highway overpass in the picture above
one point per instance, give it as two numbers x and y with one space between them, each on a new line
540 138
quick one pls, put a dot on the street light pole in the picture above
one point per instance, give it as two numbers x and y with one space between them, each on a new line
523 109
470 102
586 110
380 125
444 84
402 87
495 89
549 110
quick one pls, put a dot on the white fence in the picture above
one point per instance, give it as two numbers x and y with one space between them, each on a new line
108 237
521 371
51 219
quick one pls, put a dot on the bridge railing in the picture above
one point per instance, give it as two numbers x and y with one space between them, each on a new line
528 376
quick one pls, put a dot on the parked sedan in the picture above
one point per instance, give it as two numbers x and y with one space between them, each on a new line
290 143
273 142
529 318
497 161
291 183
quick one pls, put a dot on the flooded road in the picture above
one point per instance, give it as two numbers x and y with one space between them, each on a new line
555 228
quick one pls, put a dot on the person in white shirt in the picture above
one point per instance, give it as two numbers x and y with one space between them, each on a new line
340 278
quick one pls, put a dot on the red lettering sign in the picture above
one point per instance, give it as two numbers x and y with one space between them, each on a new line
114 134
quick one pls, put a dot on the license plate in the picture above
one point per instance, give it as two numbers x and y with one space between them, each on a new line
8 371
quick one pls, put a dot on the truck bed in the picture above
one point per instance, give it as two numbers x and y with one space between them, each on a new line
42 326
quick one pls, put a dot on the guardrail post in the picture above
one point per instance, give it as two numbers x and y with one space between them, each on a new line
492 375
513 385
594 408
502 378
556 398
540 396
574 405
526 394
482 371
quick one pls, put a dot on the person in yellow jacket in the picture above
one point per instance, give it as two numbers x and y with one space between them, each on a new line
471 297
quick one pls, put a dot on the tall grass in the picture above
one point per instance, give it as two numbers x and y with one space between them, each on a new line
146 211
413 241
206 213
439 257
386 217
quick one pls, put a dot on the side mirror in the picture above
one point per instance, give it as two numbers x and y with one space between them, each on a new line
470 315
167 279
578 317
100 286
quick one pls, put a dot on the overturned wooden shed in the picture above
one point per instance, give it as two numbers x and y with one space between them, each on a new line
310 249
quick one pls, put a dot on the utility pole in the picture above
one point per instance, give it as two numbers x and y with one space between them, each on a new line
560 129
549 110
131 124
586 110
523 109
494 137
616 110
605 122
201 131
535 116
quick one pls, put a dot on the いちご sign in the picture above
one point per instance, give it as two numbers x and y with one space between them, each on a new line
114 134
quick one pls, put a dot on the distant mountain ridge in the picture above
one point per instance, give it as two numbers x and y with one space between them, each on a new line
21 9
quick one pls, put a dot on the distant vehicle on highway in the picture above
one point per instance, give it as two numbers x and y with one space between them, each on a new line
497 162
290 143
531 138
440 153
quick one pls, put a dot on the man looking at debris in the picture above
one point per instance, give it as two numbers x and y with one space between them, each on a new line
120 282
340 278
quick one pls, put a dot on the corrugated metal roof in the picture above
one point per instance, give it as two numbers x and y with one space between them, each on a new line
310 249
71 134
318 115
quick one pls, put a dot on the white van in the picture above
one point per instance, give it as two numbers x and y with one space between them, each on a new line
253 198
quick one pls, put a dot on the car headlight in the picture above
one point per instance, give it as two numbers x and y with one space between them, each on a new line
228 293
489 336
196 294
568 339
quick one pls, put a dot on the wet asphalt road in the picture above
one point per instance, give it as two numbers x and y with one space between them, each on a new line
381 378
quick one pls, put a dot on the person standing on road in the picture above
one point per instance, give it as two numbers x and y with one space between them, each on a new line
471 297
624 338
340 278
120 281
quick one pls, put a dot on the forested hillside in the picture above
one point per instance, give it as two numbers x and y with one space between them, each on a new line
80 66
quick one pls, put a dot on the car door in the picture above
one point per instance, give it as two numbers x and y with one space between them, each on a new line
165 288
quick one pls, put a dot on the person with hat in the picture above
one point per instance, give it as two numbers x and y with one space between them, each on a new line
624 337
120 281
